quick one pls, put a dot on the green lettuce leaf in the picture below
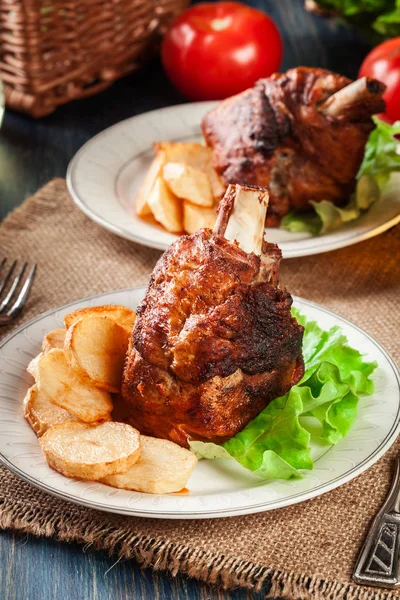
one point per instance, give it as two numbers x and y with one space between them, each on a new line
275 445
299 222
208 450
327 217
382 16
381 157
357 8
331 346
388 24
380 160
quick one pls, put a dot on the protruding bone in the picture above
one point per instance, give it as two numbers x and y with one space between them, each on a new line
363 96
241 217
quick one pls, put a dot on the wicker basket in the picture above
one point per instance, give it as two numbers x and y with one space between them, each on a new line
54 51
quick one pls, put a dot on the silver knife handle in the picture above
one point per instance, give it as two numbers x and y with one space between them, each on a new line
378 563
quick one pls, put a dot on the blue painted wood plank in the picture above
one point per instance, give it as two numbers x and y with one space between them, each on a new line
43 569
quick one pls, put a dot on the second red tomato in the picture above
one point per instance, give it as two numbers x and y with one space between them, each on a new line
383 63
213 51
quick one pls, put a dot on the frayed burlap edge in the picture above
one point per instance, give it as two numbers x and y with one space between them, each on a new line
162 555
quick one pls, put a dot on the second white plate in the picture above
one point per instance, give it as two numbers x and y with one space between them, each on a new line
106 173
217 488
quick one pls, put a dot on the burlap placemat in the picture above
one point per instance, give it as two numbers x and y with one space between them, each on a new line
303 551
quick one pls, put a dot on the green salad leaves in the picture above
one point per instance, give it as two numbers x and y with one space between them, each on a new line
380 160
381 16
275 445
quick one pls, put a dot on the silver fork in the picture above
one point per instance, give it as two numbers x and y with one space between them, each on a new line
379 561
14 301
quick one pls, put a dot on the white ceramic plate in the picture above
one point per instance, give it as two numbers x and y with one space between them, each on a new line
106 173
216 488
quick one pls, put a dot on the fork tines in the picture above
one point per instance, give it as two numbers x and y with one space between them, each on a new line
15 294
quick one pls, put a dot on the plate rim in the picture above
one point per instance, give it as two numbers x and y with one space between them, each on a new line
228 512
309 250
73 163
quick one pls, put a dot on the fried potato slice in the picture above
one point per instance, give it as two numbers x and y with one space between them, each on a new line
41 414
188 183
195 155
53 339
142 207
62 385
120 314
165 206
163 467
96 348
197 217
33 366
217 185
91 451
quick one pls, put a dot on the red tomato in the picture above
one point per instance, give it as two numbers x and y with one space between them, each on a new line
213 51
383 63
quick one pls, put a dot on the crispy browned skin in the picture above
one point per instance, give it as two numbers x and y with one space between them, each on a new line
214 341
274 135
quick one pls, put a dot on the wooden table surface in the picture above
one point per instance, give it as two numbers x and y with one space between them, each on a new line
31 153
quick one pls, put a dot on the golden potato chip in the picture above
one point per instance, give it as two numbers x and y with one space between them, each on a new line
195 155
188 183
197 217
33 367
165 206
163 467
96 348
53 339
121 314
62 385
142 207
91 451
41 414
